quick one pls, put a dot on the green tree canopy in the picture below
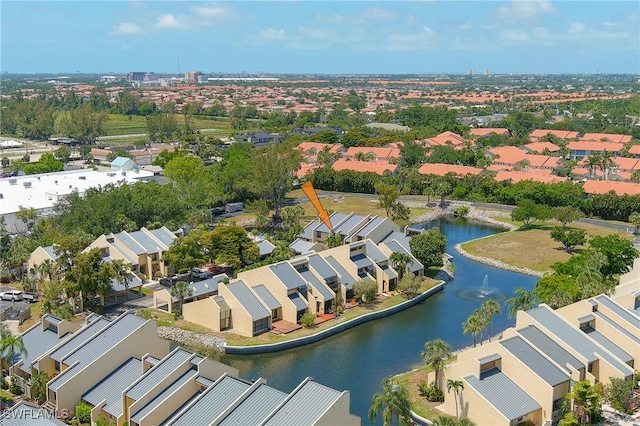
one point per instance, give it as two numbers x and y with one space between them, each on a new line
428 247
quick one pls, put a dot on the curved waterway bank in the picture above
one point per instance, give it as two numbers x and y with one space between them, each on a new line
359 358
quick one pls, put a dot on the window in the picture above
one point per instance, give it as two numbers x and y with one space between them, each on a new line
225 319
318 234
260 325
57 366
590 368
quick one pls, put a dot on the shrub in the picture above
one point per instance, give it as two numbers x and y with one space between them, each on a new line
308 320
462 211
83 412
4 385
431 392
15 389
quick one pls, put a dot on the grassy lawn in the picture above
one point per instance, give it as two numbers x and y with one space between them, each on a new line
532 247
119 124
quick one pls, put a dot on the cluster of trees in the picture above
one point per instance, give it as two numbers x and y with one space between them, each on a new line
481 319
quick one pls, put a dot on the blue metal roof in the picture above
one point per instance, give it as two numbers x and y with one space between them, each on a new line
266 247
535 361
301 246
549 347
346 278
307 232
288 275
255 407
318 264
37 342
111 387
163 396
503 394
361 261
317 285
400 237
151 378
300 304
265 295
248 300
391 273
374 253
347 226
617 326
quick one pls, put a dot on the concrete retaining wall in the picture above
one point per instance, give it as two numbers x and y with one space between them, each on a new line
274 347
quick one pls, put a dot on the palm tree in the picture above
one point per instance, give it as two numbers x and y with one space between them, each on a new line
435 355
393 401
457 386
634 218
474 326
489 309
181 291
523 300
593 161
400 262
606 163
39 381
444 420
10 346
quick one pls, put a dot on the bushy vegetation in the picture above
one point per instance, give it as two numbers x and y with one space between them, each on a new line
431 392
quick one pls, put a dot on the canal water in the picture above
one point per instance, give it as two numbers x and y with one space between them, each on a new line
360 358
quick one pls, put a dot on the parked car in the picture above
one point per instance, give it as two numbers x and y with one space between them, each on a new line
233 207
200 274
217 211
13 295
168 281
30 297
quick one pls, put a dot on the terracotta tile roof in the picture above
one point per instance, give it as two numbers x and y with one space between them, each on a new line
380 153
562 134
626 164
443 169
446 138
604 186
488 130
304 169
635 149
507 155
542 161
496 167
541 146
606 136
306 147
584 145
377 167
516 176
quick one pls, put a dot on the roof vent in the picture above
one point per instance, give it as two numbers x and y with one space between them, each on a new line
56 182
70 186
111 174
1 196
82 177
26 184
13 181
124 173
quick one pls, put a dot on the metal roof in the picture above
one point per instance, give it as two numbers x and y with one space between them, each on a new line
127 240
159 371
150 245
266 247
117 286
201 380
212 402
503 394
248 300
623 313
318 264
106 339
547 346
391 273
396 247
370 226
307 232
622 330
26 414
300 304
575 338
111 387
51 252
287 275
374 253
164 234
336 219
51 319
37 341
301 246
199 288
316 284
151 360
347 226
608 344
163 396
535 361
400 237
361 261
345 277
489 358
305 405
265 295
255 407
79 338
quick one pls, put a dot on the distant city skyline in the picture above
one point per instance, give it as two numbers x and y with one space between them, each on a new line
321 37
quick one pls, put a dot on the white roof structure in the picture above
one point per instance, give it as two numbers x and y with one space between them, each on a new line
10 144
42 191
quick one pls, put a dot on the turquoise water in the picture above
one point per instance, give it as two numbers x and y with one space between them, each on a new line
358 359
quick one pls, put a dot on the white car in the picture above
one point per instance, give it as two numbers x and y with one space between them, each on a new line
12 295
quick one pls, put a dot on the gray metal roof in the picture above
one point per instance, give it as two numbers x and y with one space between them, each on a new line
336 219
151 360
266 247
288 275
129 241
135 283
304 406
248 300
204 381
503 394
265 295
623 313
51 252
165 235
347 226
316 284
51 319
622 330
361 261
106 339
150 245
374 253
573 337
396 247
489 358
608 344
346 278
36 342
163 396
586 318
400 237
27 414
126 254
151 378
255 407
318 264
301 246
79 338
391 273
212 402
111 387
300 304
553 350
370 226
307 232
535 361
199 288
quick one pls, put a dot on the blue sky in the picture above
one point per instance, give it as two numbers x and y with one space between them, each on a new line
360 37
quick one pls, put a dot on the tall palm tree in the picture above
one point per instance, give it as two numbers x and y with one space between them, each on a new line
474 326
435 355
606 163
39 381
393 401
10 346
593 162
400 261
457 386
489 309
523 300
634 218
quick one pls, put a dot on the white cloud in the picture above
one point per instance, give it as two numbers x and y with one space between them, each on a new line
524 9
126 28
366 16
170 21
465 26
273 34
317 33
421 40
513 35
212 10
137 4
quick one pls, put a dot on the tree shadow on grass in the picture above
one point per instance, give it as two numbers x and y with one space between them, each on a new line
536 226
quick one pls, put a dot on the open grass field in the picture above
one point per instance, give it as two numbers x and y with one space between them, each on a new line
119 124
531 248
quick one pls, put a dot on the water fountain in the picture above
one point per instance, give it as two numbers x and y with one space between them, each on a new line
482 293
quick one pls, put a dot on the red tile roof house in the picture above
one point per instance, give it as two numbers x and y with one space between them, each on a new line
538 134
444 169
583 148
446 138
635 150
606 137
377 167
516 176
379 154
480 132
539 147
604 186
